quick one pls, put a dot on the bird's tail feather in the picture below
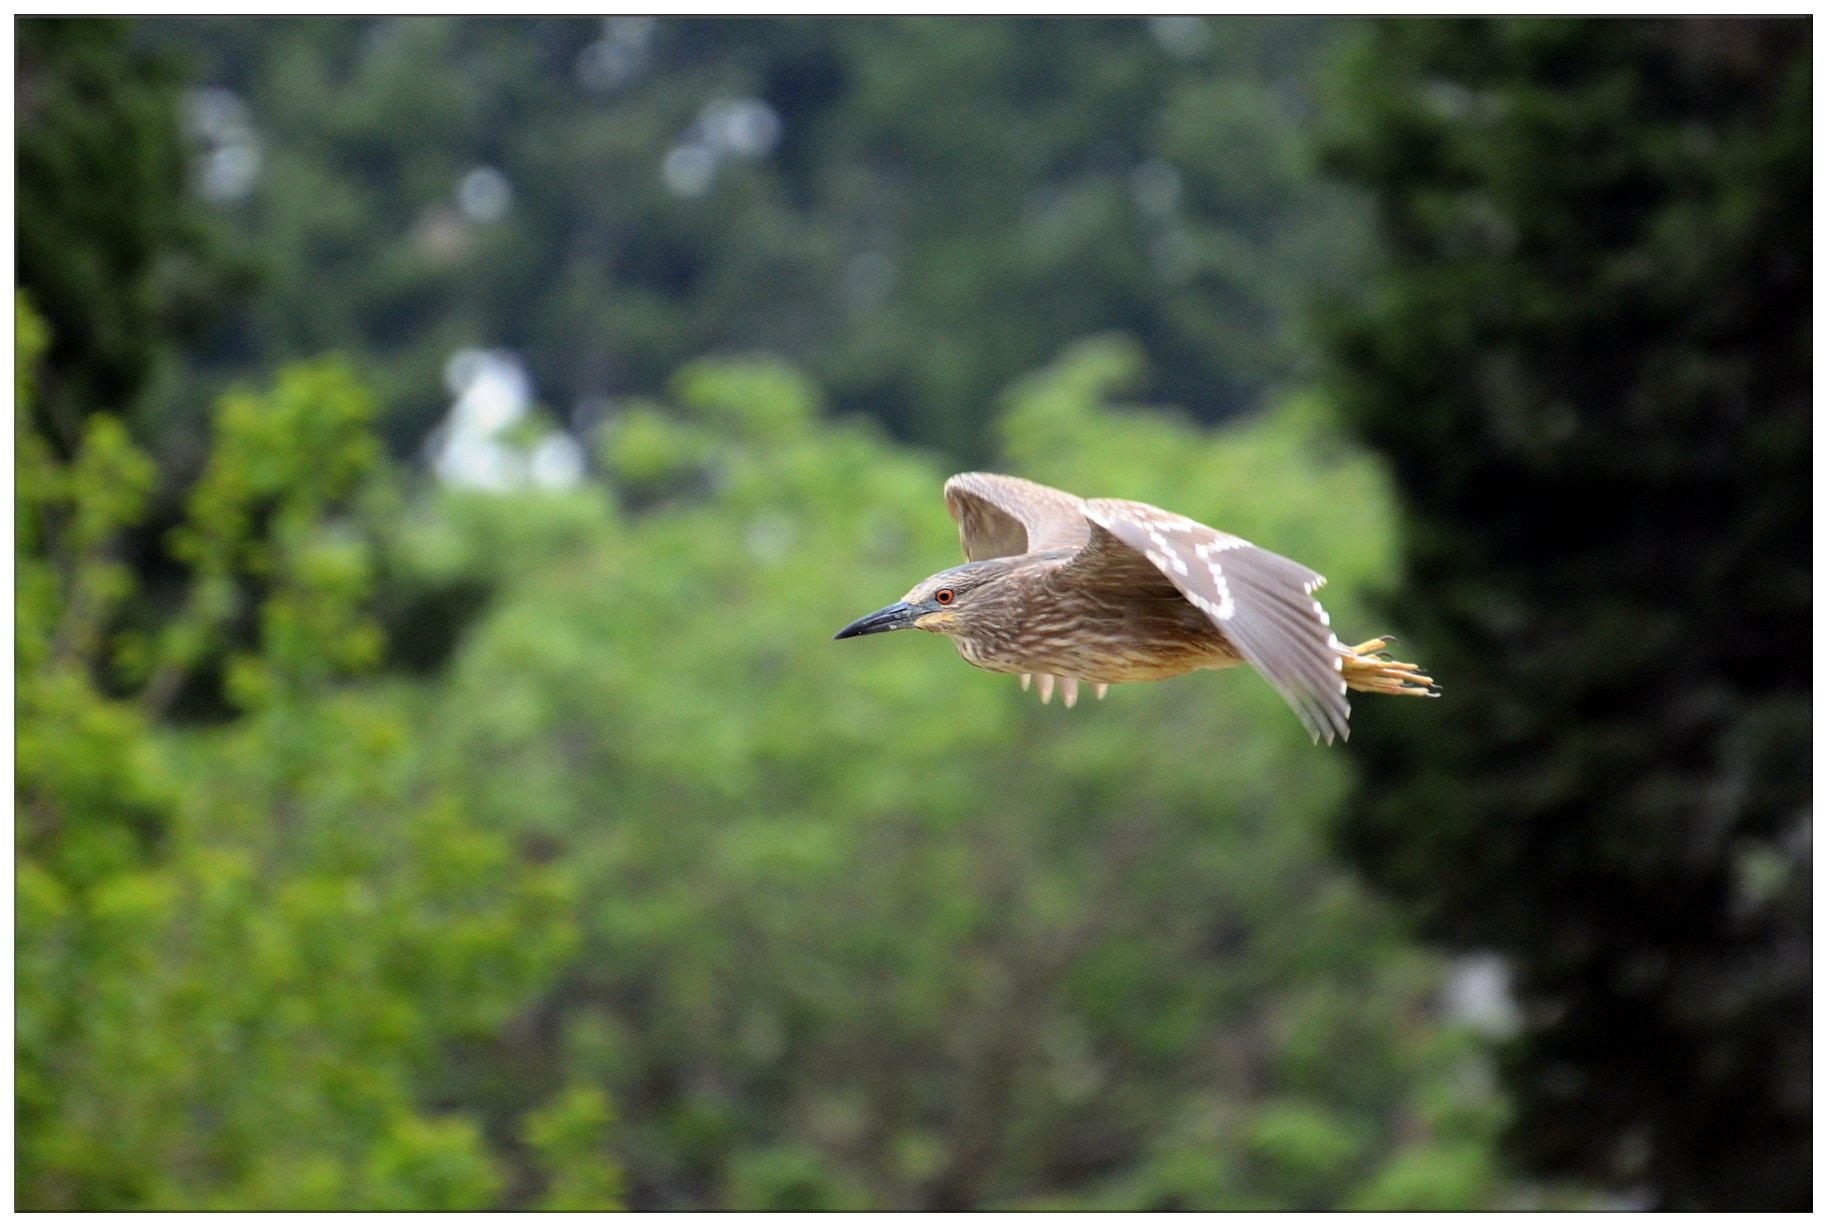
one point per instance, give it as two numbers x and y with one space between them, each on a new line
1369 667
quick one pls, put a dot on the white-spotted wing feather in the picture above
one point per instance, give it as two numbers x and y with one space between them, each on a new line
1261 601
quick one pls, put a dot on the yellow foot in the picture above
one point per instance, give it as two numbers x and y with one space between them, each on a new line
1046 688
1368 667
1068 689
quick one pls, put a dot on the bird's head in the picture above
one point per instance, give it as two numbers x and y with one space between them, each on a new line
943 603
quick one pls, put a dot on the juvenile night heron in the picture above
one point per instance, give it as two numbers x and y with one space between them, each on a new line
1105 590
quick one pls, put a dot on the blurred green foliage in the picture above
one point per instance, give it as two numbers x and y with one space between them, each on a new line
241 952
947 203
864 927
828 927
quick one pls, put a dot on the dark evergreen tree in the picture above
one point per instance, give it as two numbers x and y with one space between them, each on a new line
110 246
1588 360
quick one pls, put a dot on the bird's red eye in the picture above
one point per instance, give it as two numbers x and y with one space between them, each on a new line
943 596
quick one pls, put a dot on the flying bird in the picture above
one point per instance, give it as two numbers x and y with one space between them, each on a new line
1106 590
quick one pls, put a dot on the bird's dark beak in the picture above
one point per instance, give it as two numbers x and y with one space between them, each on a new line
897 617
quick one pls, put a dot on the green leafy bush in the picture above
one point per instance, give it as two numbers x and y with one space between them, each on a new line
862 926
829 925
242 951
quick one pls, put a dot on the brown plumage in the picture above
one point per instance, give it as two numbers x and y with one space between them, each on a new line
1107 590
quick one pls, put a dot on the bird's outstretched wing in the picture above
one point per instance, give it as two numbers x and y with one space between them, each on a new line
999 516
1261 601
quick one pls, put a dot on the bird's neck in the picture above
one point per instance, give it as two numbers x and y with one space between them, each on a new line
988 633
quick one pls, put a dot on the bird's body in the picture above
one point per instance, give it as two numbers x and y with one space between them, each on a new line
1034 619
1107 590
